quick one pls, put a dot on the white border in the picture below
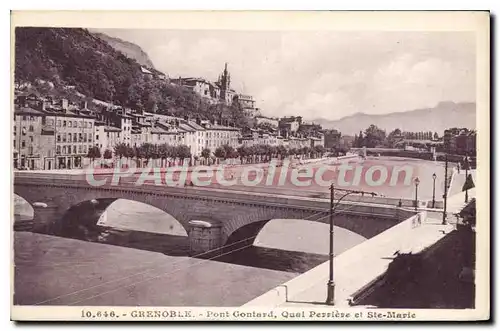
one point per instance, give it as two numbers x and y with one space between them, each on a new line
94 4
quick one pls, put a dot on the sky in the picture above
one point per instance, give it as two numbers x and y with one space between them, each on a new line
322 74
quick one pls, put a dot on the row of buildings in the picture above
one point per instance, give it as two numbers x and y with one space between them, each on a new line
219 91
460 141
55 134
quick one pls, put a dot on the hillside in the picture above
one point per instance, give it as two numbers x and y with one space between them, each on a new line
77 58
445 115
74 57
131 50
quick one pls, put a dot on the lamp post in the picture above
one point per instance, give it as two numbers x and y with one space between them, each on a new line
330 297
330 294
417 181
466 165
445 194
433 190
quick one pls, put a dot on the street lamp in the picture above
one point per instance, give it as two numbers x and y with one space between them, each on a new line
434 190
330 297
417 181
466 165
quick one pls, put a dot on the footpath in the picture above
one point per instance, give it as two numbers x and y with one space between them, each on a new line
356 269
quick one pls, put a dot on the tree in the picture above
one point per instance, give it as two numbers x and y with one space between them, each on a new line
393 137
94 153
319 150
243 152
108 154
374 136
228 151
121 150
436 136
220 152
205 153
183 152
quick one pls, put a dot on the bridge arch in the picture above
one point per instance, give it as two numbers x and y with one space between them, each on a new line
92 217
243 230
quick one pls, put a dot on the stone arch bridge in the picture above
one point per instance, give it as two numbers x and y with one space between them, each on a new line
213 218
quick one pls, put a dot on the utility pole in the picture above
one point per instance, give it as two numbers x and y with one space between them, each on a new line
445 195
466 164
330 297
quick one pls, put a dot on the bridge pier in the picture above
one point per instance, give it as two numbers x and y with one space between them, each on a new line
204 238
43 216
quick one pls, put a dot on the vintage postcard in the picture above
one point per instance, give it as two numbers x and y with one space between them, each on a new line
250 166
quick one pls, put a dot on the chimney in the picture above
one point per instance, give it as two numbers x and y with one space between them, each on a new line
21 100
186 117
198 121
64 104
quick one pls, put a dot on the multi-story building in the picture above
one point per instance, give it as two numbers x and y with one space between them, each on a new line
74 137
107 137
332 138
219 135
289 125
33 139
266 120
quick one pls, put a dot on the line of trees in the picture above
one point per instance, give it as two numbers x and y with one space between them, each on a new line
175 155
169 155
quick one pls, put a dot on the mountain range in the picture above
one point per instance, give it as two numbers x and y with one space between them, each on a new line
131 50
444 115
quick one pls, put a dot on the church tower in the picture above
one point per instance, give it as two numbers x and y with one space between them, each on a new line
225 85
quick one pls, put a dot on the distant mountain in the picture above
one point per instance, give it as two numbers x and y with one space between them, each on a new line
445 115
131 50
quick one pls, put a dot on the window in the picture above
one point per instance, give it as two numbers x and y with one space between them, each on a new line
24 130
69 137
23 144
85 137
96 137
74 137
85 125
30 150
24 118
31 139
63 149
80 125
32 118
74 149
59 123
14 143
80 137
58 138
74 124
69 124
64 124
79 149
90 124
58 150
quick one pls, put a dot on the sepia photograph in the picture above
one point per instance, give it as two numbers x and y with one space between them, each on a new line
321 166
